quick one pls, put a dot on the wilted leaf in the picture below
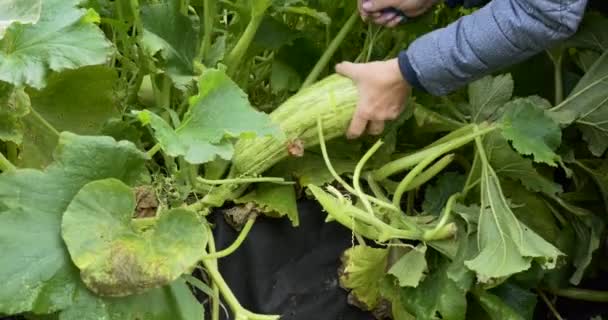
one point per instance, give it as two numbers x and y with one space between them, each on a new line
64 37
362 271
117 259
274 200
530 130
35 266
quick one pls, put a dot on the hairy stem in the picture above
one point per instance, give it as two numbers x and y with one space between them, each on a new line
549 305
236 244
447 213
215 304
243 181
331 50
235 56
431 172
153 150
405 183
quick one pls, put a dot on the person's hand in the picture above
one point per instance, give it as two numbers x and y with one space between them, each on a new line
371 10
382 94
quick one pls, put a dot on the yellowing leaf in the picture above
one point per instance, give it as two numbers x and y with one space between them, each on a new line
115 257
363 270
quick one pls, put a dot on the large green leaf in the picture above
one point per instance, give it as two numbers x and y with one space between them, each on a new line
64 37
220 111
522 301
22 11
508 163
488 95
34 264
410 269
362 271
115 257
172 34
530 130
506 246
79 101
495 307
172 302
587 106
437 295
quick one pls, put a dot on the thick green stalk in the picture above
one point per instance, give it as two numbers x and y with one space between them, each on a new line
235 56
409 178
215 303
331 50
431 172
415 158
244 180
209 11
447 213
5 165
239 312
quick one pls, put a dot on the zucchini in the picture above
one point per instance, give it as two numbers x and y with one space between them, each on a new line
332 99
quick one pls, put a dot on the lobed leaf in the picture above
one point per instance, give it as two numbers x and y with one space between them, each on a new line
531 131
362 271
117 259
274 200
410 269
37 271
488 95
63 38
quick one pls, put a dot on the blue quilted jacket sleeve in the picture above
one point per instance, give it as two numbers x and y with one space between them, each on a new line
501 33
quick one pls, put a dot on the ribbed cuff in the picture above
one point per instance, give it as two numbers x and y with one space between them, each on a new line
408 71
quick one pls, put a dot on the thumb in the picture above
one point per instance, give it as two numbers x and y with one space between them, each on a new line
377 5
348 69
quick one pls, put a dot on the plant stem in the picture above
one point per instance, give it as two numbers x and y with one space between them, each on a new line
431 172
409 161
239 312
405 183
244 180
12 151
357 176
550 305
447 213
236 244
376 189
209 10
336 176
6 165
469 183
557 57
153 150
215 305
331 50
235 56
581 294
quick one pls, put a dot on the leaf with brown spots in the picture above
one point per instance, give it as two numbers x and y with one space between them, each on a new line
115 257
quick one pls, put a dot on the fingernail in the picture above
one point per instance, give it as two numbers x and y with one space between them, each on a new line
367 5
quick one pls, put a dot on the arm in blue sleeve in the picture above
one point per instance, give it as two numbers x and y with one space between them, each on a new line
498 35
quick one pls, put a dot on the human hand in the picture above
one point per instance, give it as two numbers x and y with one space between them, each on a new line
372 9
382 94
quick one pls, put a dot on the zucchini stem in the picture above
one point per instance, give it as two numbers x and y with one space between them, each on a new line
331 50
357 176
6 165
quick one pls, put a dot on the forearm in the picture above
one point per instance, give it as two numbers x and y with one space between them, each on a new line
500 34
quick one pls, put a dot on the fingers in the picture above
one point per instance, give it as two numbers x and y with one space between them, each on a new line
377 5
348 69
375 127
357 126
384 18
394 22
